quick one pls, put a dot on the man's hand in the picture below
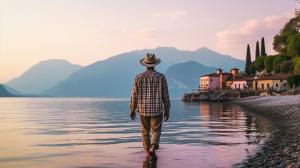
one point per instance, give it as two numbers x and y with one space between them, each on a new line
166 116
132 115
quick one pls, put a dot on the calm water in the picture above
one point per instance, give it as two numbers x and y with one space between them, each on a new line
90 132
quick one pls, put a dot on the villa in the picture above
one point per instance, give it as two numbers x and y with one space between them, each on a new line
277 82
217 80
233 80
240 83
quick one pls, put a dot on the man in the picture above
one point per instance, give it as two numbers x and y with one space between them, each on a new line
151 99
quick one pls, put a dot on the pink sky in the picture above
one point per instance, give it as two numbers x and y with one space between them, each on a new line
85 31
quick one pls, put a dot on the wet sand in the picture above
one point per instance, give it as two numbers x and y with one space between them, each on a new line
282 149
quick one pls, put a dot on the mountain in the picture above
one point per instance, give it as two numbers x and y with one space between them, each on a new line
184 77
12 91
42 76
4 92
113 77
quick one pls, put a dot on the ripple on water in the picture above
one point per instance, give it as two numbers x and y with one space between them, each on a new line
91 132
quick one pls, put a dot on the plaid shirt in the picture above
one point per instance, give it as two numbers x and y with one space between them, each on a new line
150 94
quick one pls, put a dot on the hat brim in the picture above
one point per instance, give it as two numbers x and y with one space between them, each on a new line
142 61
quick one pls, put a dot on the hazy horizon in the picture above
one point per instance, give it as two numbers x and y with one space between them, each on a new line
84 32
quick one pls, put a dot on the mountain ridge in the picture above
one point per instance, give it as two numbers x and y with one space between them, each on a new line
42 75
113 76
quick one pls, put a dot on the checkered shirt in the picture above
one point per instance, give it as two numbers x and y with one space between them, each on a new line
150 94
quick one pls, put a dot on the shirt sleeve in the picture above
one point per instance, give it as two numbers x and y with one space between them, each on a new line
133 96
166 100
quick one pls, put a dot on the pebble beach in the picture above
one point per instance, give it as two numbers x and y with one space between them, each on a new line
282 149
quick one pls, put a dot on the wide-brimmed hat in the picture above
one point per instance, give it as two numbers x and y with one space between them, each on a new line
150 60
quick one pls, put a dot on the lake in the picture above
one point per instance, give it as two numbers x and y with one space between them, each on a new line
95 132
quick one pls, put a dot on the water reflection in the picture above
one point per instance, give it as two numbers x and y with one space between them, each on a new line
256 128
55 132
152 163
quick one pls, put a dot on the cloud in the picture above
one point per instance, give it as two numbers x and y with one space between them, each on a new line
171 14
233 41
147 32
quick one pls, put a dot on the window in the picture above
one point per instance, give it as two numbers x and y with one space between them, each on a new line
262 86
239 85
211 80
276 85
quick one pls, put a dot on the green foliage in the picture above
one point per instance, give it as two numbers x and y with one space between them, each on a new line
248 60
269 63
252 68
257 53
293 46
263 47
282 39
286 66
296 62
278 60
294 80
260 63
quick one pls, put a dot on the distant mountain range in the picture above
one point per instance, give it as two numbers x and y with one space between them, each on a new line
113 77
184 77
42 76
4 92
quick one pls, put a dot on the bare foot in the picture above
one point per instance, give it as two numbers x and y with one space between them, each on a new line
148 154
153 152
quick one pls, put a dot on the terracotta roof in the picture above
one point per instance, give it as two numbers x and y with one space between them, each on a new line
273 77
242 78
216 75
211 74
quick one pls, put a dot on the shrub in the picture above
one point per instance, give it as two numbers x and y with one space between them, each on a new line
286 66
278 60
269 63
296 62
294 80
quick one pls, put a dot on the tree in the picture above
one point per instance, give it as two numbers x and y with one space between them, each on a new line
269 63
281 40
293 46
260 63
248 60
252 68
277 61
257 53
263 47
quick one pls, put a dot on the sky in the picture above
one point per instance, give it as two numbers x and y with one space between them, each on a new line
86 31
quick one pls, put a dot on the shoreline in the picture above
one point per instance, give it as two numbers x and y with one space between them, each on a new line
275 107
282 148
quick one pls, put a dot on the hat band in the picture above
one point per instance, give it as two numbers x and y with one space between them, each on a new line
148 62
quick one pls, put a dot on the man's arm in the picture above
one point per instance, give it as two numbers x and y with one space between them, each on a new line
133 99
166 99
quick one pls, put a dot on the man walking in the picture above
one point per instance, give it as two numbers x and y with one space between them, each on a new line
151 99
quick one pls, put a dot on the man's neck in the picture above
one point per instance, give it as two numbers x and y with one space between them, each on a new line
150 69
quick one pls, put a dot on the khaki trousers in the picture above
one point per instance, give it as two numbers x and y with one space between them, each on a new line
153 124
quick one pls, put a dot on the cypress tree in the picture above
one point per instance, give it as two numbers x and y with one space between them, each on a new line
263 47
257 53
248 60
